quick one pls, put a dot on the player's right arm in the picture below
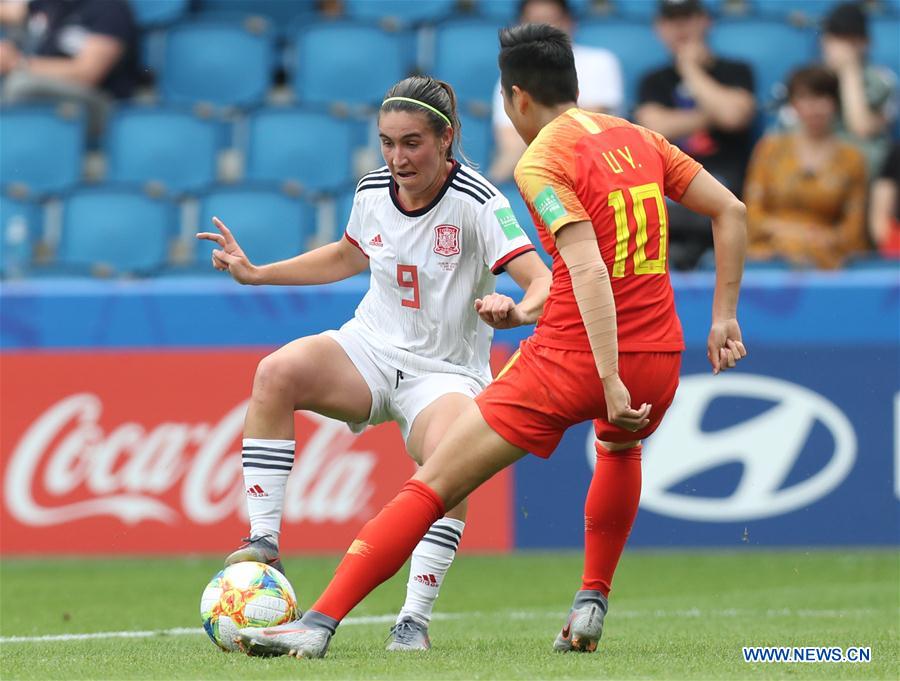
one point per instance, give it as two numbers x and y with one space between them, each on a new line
324 265
578 247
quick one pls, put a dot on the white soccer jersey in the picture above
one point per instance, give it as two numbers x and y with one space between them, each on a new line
429 265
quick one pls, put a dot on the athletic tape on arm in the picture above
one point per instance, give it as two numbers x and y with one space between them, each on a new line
593 293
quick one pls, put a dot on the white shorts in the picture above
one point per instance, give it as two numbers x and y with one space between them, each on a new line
397 395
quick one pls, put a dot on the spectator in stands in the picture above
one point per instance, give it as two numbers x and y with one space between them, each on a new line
868 93
884 207
599 82
806 189
705 105
72 50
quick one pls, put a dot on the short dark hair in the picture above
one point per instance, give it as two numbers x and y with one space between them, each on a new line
814 80
538 58
847 20
435 93
562 4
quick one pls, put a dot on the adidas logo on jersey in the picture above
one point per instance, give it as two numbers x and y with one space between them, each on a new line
376 241
256 491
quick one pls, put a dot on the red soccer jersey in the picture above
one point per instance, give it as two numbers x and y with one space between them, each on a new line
587 166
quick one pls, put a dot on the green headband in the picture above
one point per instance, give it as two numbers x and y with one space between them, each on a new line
416 101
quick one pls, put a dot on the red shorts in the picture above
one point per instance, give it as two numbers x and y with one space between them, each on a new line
542 391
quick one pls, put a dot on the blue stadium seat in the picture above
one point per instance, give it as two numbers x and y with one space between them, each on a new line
267 224
477 140
634 43
507 10
807 10
41 149
517 203
399 12
308 148
175 149
343 204
217 62
158 12
346 62
466 57
885 45
788 48
20 226
282 13
121 230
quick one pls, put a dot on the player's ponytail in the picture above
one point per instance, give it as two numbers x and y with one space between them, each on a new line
440 107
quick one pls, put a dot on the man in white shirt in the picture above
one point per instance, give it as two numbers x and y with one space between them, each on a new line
599 83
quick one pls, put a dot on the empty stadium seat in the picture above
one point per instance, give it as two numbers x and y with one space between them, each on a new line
786 49
158 12
20 226
517 203
634 43
267 224
308 148
804 10
507 10
884 43
346 62
41 149
118 230
400 12
175 149
342 206
282 13
466 57
477 140
217 62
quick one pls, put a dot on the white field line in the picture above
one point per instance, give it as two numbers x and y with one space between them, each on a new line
516 615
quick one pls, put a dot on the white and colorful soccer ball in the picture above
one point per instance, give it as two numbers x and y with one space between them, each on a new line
246 595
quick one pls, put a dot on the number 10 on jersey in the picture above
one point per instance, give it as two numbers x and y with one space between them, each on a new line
639 195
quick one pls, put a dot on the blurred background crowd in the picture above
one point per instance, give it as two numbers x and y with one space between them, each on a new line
126 124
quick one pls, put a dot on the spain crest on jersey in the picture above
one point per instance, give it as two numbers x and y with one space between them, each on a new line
446 240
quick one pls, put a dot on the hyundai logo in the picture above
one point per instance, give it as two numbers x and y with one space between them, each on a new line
767 445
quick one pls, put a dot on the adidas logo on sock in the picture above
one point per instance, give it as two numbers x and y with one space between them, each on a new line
256 491
427 580
376 241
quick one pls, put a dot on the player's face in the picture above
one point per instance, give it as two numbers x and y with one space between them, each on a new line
416 157
815 112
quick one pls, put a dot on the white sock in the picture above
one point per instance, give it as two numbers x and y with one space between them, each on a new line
430 562
267 465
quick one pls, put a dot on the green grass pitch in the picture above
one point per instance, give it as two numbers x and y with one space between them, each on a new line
673 615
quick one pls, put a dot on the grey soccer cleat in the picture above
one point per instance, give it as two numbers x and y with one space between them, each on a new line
259 549
583 629
292 638
408 634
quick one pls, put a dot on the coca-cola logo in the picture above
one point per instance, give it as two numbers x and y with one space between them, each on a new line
66 467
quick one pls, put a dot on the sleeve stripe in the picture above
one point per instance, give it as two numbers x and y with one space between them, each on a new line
501 263
470 192
477 179
481 189
355 243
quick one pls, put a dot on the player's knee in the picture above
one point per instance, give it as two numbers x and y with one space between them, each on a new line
274 377
618 446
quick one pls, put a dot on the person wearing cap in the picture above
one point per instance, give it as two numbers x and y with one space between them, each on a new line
599 78
705 105
867 92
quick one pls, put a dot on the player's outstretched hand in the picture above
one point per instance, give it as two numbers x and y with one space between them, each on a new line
229 256
499 311
618 406
724 347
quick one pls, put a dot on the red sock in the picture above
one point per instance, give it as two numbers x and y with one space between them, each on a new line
381 548
609 512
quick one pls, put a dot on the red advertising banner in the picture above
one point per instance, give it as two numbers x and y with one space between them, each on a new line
139 452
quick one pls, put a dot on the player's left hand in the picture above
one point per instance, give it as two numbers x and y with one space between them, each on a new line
499 311
724 347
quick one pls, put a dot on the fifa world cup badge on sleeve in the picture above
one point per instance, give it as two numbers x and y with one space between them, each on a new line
549 207
508 223
446 240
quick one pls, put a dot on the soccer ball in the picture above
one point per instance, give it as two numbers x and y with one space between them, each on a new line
246 595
